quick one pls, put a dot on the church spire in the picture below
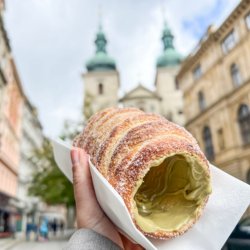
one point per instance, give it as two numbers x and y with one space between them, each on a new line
167 37
170 57
100 40
101 60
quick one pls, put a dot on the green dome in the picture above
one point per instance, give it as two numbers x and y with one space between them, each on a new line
101 60
169 57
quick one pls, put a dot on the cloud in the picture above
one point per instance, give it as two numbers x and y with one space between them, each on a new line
52 40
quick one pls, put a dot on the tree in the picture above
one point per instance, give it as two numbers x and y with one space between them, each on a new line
48 182
87 107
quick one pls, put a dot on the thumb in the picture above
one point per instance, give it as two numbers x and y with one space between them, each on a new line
80 168
86 203
81 174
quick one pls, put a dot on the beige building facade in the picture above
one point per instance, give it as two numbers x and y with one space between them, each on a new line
142 98
100 90
215 80
171 96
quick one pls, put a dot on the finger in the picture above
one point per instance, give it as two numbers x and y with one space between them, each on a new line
87 207
80 167
81 174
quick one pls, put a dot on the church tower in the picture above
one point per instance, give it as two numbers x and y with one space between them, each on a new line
101 81
168 65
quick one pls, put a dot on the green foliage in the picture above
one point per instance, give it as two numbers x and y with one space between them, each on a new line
88 100
48 182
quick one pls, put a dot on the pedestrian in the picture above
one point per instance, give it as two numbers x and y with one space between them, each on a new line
54 226
36 231
61 226
44 229
12 226
29 228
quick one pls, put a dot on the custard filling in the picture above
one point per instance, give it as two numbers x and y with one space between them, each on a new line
171 193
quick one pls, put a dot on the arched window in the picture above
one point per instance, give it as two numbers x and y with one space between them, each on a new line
208 142
100 88
248 177
176 84
235 74
202 102
244 123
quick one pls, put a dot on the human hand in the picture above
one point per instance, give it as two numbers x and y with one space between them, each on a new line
88 212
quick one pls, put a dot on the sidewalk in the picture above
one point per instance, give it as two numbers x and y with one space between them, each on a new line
9 243
21 243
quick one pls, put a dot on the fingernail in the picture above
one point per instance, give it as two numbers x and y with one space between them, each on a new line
75 157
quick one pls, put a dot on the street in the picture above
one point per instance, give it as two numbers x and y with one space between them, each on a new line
51 245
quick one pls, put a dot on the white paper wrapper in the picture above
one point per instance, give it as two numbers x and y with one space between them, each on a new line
228 201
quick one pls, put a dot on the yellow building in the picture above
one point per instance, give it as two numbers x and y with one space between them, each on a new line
215 79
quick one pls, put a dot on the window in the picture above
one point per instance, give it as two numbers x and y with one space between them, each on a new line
176 84
100 88
202 103
208 142
169 116
235 74
248 20
3 62
141 105
197 72
229 42
244 123
248 177
221 141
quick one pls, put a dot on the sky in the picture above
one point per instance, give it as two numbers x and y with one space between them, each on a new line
51 41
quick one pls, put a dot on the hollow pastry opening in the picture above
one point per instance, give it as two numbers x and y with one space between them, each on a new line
171 193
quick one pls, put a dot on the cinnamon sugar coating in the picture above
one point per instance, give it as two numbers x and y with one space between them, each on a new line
123 143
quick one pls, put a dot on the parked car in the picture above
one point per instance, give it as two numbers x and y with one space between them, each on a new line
240 237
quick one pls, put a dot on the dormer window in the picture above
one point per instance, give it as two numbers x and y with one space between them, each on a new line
229 42
197 72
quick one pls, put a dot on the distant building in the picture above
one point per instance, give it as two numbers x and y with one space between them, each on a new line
215 79
32 139
142 98
102 83
4 47
11 103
